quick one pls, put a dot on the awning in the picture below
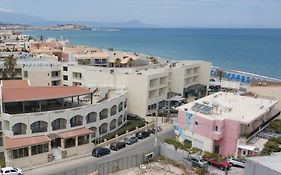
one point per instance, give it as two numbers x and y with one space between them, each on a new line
75 133
25 141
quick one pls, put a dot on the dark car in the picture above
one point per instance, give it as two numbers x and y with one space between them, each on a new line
134 117
100 151
142 134
130 140
117 145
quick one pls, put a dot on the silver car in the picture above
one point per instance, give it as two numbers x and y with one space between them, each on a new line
198 162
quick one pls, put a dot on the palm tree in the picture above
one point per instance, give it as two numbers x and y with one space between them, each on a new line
10 63
219 73
153 60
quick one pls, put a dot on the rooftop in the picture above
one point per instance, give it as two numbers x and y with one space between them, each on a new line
18 91
272 162
25 141
226 105
75 133
94 55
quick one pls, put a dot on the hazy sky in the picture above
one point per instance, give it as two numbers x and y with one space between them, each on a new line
161 12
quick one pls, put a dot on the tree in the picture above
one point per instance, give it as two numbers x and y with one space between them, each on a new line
10 63
219 73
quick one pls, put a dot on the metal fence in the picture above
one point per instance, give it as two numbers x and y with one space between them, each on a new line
108 167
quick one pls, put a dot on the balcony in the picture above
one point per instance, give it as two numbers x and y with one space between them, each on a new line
217 135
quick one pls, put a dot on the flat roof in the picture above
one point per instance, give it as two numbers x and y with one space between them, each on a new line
75 133
41 93
272 161
226 105
25 141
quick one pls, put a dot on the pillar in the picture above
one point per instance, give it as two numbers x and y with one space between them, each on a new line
29 151
62 143
76 141
50 147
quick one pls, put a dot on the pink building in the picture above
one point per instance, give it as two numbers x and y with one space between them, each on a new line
224 122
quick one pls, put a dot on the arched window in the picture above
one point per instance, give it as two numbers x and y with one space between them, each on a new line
112 125
91 117
19 129
120 107
103 114
103 128
58 124
39 126
120 120
76 121
113 110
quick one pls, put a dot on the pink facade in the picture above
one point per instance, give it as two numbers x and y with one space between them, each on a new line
224 133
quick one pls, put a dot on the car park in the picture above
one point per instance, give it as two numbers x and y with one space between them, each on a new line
100 151
142 134
117 145
237 162
10 171
130 140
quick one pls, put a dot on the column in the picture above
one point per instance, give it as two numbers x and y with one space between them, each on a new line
40 106
50 147
62 143
76 141
29 151
23 108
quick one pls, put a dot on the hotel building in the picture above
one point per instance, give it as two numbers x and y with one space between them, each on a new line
43 123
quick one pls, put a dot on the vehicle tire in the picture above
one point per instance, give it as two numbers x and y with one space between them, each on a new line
117 149
19 174
221 168
98 155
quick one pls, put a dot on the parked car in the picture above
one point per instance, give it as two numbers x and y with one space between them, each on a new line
134 117
222 165
10 171
197 161
100 151
153 130
117 145
142 134
237 162
130 140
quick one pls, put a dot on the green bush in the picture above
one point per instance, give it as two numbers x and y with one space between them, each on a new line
271 146
130 126
276 125
201 171
2 160
177 144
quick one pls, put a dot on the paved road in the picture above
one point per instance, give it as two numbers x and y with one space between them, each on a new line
143 146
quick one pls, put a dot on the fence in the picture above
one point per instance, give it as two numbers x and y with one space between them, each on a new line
108 167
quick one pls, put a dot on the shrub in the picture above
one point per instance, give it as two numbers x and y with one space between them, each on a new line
276 125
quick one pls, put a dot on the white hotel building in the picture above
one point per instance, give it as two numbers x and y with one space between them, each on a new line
42 123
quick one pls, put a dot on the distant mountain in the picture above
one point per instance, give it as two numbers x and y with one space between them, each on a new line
16 18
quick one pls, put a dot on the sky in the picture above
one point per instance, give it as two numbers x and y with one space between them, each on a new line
189 13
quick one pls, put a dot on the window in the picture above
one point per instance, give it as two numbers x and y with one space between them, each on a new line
25 74
65 68
216 128
39 149
65 77
196 123
69 142
19 153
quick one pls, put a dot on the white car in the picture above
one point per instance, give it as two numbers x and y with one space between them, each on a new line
237 162
10 171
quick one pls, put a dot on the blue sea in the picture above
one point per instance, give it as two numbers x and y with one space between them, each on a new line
251 50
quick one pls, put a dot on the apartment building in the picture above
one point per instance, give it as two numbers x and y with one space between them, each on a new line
147 86
224 122
42 124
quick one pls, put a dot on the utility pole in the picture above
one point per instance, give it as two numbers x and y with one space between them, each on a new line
156 127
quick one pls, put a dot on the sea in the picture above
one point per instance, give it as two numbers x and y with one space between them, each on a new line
256 51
